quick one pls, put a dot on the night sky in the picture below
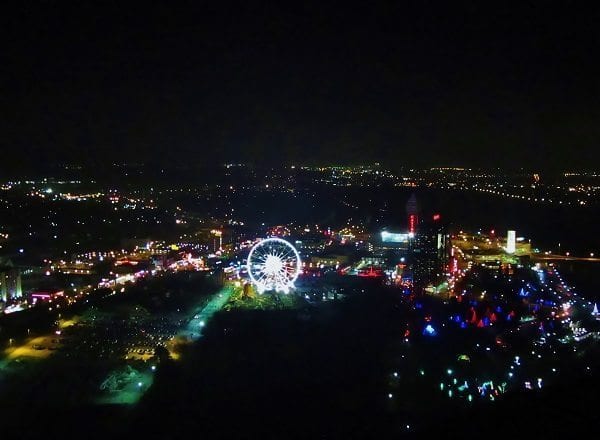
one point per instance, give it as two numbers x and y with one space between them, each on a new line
403 83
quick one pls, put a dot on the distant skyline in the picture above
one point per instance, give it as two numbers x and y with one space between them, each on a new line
402 84
93 169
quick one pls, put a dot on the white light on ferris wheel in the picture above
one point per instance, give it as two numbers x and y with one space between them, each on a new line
273 264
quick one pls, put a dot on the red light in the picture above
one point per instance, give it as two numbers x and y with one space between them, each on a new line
412 223
436 217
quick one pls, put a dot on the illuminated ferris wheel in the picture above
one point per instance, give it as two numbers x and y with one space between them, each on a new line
273 264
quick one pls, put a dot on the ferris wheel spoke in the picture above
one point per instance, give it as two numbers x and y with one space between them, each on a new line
285 275
263 282
281 254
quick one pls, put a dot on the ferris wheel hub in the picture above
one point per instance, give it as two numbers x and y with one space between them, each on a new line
273 264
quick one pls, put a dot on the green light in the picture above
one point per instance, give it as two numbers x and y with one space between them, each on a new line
454 381
442 386
449 371
422 372
449 393
470 398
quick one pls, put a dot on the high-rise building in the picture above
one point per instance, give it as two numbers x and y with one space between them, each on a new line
430 253
10 281
511 239
412 211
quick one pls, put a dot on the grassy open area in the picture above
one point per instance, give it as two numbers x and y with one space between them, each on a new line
265 301
125 387
39 347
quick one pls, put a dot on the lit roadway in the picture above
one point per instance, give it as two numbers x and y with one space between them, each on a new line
194 328
199 318
564 258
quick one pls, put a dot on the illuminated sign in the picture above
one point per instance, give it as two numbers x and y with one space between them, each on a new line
46 296
412 223
392 237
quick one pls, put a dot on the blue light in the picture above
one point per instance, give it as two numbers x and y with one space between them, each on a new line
429 330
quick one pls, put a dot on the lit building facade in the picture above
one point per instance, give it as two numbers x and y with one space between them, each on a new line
430 253
511 242
10 282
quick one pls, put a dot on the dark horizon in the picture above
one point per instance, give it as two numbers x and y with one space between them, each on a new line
415 85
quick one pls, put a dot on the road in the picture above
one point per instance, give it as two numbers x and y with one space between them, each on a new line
193 331
564 258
